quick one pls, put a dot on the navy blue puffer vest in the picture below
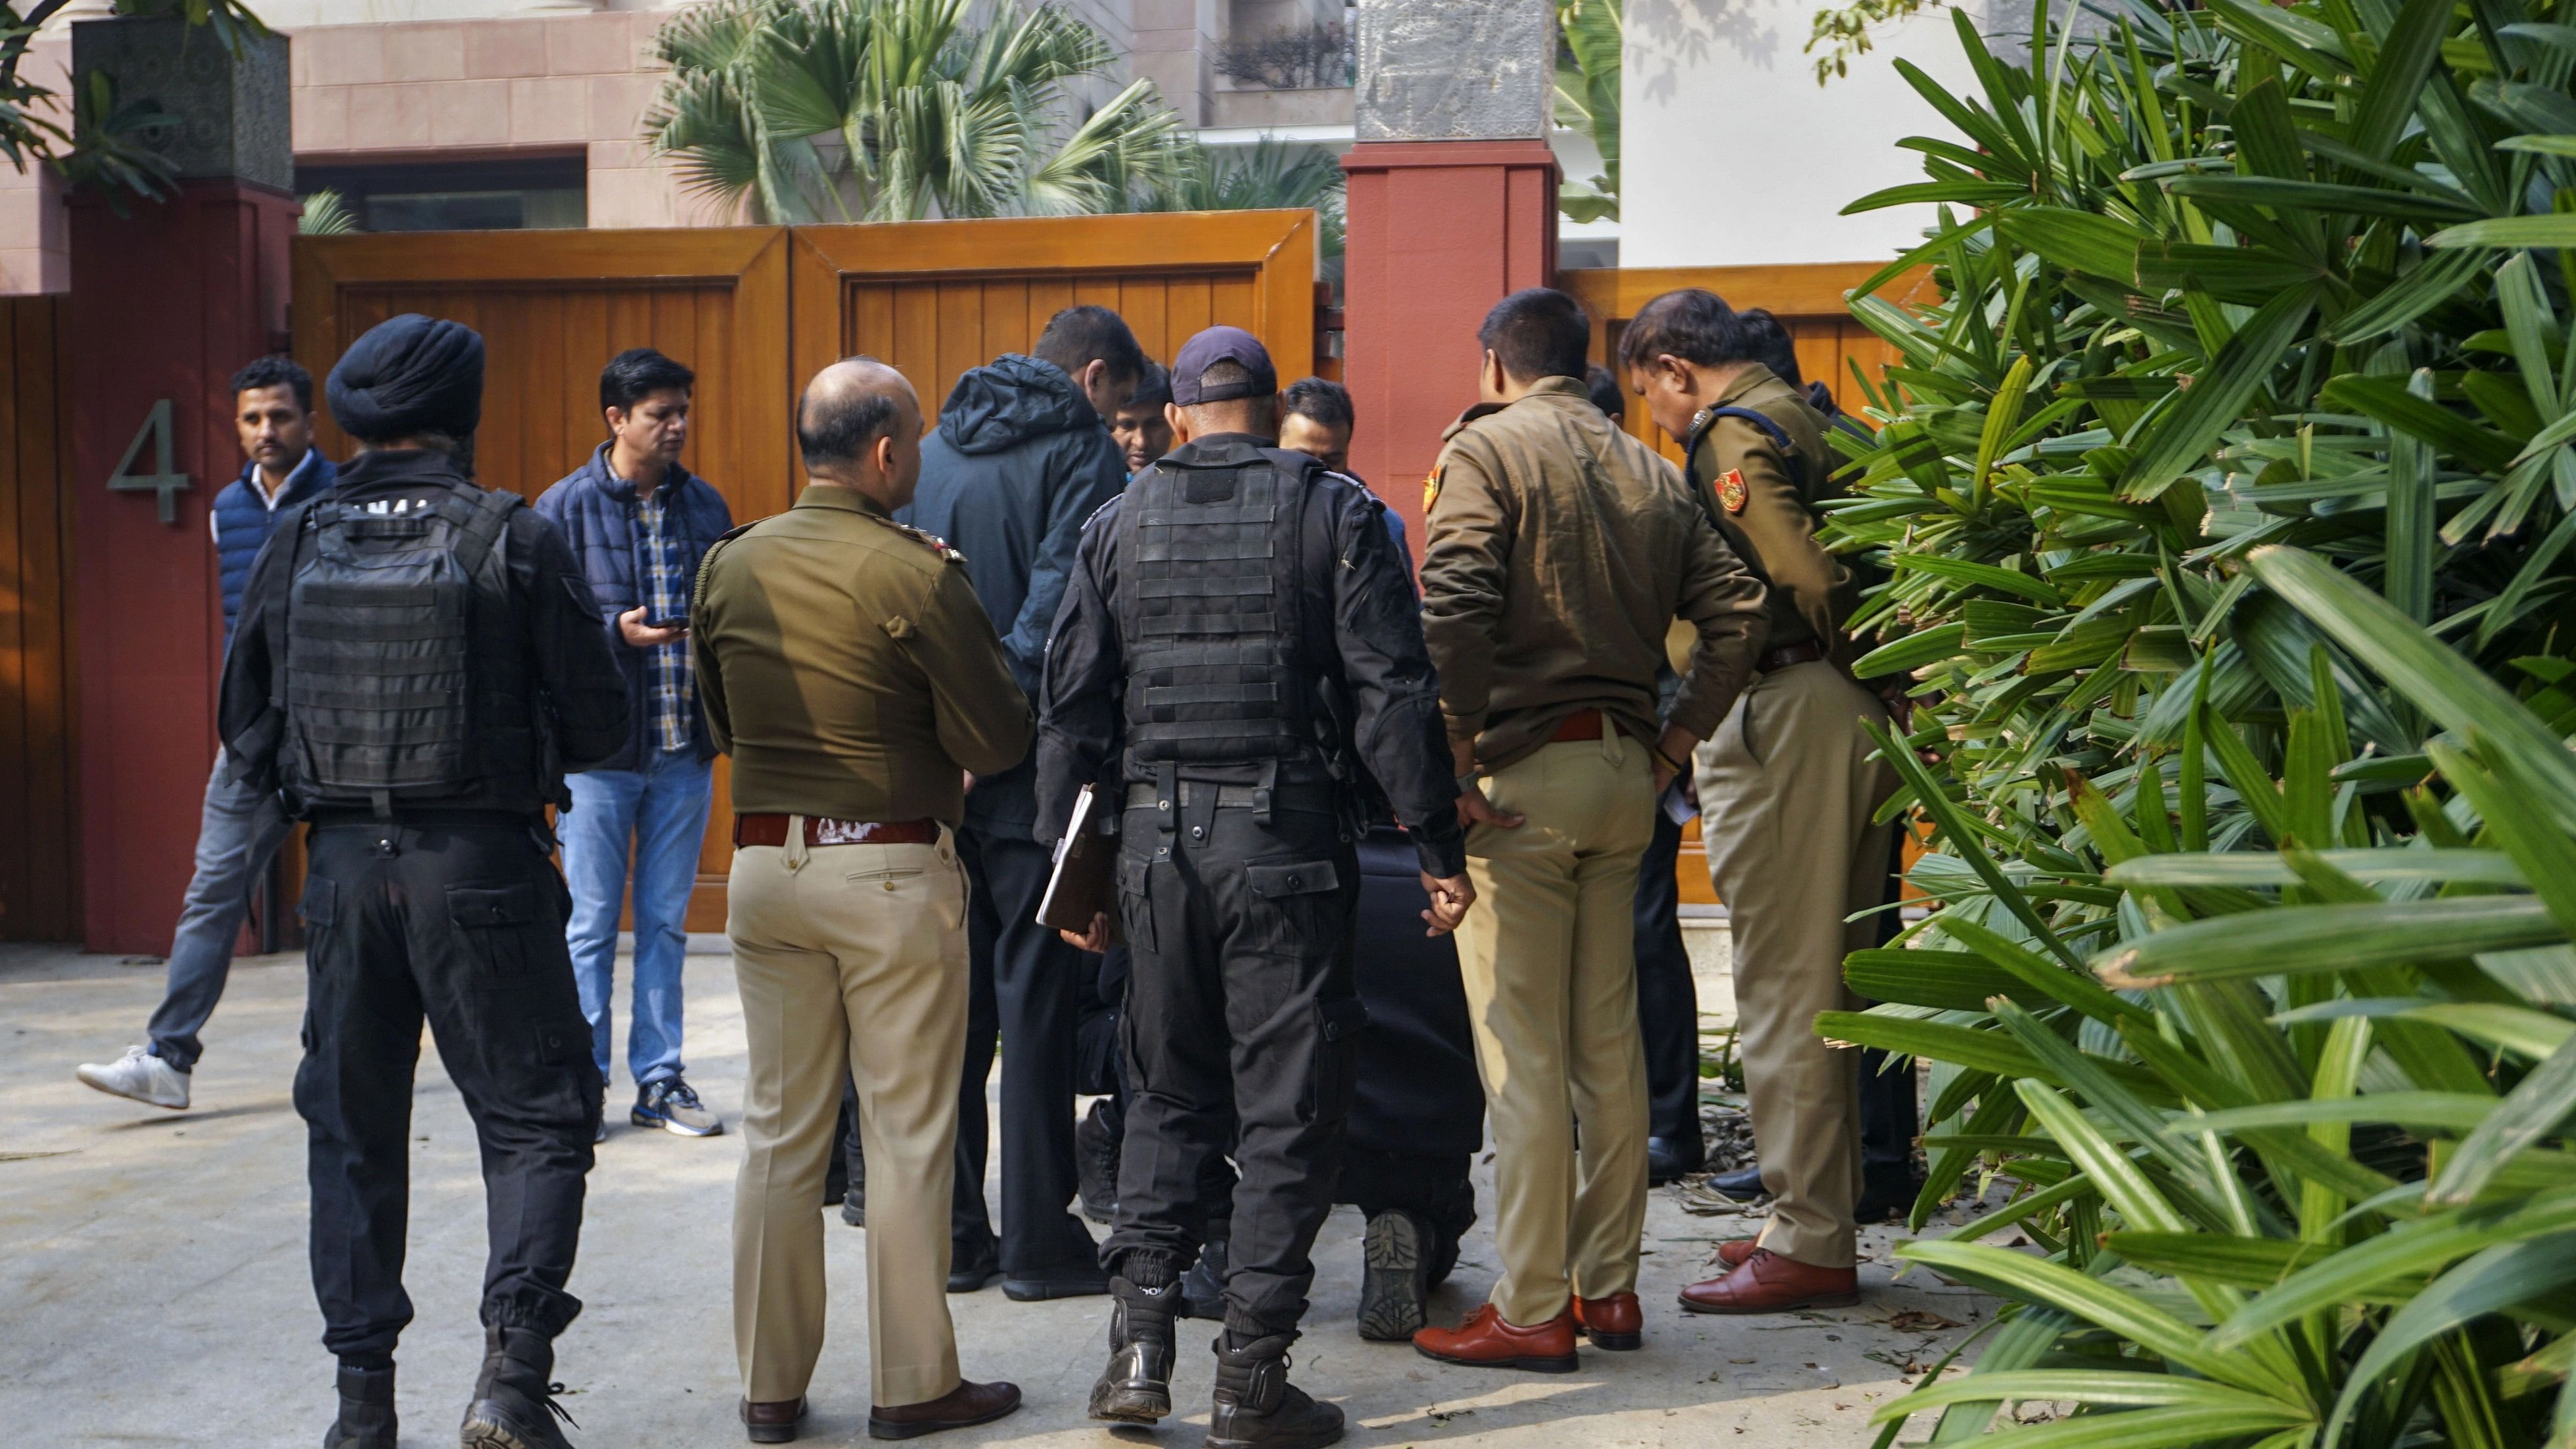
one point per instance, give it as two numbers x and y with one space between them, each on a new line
242 523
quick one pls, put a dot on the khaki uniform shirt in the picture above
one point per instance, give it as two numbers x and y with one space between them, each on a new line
848 668
1765 505
1560 551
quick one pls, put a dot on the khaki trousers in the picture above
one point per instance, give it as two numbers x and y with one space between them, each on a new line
1786 788
1548 953
849 958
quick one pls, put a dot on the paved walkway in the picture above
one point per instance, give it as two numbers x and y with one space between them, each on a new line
153 1285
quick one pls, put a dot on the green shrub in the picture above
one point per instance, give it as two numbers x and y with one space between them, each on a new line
2225 494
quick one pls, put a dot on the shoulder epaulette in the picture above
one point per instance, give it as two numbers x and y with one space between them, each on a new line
930 541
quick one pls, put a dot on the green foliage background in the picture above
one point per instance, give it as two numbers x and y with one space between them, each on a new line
2226 492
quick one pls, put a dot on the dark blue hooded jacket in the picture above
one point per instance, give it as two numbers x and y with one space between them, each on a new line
243 521
1019 460
595 509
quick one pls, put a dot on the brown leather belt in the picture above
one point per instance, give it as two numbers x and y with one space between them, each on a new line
1774 660
1583 724
768 828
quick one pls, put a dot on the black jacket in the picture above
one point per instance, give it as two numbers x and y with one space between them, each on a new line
579 693
1018 461
1365 629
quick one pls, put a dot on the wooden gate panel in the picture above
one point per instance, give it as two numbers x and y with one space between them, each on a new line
553 307
39 805
936 298
757 310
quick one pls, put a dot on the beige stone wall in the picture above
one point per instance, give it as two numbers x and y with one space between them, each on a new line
550 83
388 79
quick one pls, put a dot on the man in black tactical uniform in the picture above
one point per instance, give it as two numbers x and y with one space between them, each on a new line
417 663
1239 651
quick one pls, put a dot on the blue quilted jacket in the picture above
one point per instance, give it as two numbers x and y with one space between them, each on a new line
242 522
596 511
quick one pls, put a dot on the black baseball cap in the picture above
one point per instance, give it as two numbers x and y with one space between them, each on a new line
1222 344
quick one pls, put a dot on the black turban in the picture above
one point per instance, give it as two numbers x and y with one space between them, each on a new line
409 376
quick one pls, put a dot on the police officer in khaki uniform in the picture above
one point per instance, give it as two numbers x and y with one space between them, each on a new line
849 671
1787 787
1560 552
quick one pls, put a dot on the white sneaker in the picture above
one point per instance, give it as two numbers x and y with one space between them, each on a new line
140 1075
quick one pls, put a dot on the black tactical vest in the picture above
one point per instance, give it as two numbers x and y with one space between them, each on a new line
1210 611
401 677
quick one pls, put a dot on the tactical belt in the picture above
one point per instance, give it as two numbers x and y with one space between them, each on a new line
1313 799
762 827
1775 660
412 818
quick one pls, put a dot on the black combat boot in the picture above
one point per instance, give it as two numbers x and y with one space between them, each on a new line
1203 1287
514 1405
1136 1388
366 1410
1257 1408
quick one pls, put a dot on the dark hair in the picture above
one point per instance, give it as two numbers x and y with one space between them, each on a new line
1226 372
1538 332
1771 345
839 427
275 370
1604 388
1324 400
1692 324
1077 337
638 373
1154 388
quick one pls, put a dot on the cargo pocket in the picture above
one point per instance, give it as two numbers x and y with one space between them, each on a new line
321 903
1334 1083
1300 908
1135 907
494 922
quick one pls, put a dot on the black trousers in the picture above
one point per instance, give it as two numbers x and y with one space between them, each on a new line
1242 1027
461 926
1026 989
1667 998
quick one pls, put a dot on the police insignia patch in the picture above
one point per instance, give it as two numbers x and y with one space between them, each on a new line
1730 490
1430 489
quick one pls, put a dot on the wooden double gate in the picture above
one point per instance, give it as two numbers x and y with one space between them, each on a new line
757 310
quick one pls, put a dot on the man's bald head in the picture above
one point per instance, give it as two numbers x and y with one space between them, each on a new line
859 426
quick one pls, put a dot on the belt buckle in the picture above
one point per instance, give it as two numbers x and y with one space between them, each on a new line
842 832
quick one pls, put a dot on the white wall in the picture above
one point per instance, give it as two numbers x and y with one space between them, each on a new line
1730 155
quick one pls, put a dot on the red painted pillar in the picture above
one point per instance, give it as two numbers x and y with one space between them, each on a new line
1438 232
166 302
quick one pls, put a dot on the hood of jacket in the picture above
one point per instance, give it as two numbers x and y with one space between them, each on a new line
1009 401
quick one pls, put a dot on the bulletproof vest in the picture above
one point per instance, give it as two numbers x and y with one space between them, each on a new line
1210 612
401 678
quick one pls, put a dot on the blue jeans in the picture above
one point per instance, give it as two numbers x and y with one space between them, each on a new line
242 827
659 813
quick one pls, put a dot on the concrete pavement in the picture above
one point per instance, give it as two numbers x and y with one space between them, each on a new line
153 1286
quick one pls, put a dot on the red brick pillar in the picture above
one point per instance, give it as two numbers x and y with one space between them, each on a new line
167 300
1438 232
1452 205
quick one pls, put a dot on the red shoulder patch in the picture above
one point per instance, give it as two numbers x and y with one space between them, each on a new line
1731 491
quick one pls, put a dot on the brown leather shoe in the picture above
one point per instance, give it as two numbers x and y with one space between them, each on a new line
968 1403
1765 1282
1615 1323
1486 1341
773 1422
1734 1251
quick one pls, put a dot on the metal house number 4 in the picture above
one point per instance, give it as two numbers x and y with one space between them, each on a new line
163 479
